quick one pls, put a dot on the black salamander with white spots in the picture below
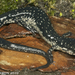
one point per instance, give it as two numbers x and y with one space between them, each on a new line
36 20
25 17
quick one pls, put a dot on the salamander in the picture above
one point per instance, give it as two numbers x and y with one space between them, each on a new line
37 21
23 17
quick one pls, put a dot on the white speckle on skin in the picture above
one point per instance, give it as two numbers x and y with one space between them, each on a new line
41 11
46 31
61 43
40 23
9 15
70 52
49 35
3 18
21 13
40 17
38 13
42 27
52 37
27 10
65 43
64 48
34 11
71 47
15 46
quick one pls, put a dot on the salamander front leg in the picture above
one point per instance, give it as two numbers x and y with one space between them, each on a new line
67 34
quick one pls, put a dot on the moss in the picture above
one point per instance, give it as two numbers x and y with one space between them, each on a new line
47 5
7 5
73 10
